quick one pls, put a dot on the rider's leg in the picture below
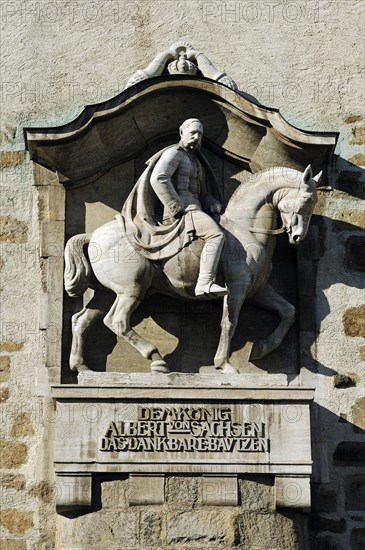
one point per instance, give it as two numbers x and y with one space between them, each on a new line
208 230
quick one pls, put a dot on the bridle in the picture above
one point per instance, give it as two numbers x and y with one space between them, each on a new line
268 231
283 229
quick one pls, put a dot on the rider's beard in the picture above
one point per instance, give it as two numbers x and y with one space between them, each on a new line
191 145
194 146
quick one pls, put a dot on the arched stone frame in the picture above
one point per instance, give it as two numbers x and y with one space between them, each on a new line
145 118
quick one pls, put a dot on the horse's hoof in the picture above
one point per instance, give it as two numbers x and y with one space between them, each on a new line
159 366
257 351
80 368
83 368
228 369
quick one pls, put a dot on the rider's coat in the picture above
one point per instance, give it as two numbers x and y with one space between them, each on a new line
179 181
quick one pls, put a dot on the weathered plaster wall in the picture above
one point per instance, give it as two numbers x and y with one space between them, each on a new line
305 58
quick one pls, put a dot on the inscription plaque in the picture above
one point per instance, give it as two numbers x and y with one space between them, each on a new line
185 430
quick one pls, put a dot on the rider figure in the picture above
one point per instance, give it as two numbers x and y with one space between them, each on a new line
178 179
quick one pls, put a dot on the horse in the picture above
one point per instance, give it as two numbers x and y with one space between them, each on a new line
106 261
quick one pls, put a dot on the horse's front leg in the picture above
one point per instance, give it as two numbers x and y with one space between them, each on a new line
231 311
270 300
118 320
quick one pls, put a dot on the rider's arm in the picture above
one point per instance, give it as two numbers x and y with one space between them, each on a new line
161 180
210 205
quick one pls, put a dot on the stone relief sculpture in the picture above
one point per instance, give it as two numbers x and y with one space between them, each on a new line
176 252
182 58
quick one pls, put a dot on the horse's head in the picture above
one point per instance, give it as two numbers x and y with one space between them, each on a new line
296 203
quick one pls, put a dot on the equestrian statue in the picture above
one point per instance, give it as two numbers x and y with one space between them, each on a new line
167 240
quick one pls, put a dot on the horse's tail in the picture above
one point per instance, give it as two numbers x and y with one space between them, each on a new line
77 266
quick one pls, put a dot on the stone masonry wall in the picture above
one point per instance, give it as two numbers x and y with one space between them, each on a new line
184 520
305 58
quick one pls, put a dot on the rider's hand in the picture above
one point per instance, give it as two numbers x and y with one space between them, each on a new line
216 208
227 81
211 205
174 208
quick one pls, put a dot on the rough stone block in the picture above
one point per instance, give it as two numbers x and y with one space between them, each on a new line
16 522
12 230
6 544
146 489
12 455
354 321
273 531
106 530
4 394
359 136
12 481
354 217
150 529
4 368
358 413
256 493
22 425
355 492
182 490
343 381
358 159
11 158
43 490
9 347
220 491
113 493
213 528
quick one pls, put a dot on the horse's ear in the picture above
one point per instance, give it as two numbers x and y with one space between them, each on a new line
317 178
307 174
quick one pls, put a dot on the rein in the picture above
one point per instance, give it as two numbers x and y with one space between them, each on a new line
267 231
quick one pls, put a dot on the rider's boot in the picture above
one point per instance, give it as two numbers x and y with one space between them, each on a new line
206 285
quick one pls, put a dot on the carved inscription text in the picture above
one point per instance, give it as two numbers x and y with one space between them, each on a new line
185 429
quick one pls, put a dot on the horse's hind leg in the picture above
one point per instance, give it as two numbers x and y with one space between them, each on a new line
81 324
118 320
269 299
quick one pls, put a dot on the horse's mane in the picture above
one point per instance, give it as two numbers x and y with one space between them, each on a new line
258 177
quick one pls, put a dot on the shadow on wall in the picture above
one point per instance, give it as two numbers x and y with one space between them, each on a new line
336 519
333 252
338 481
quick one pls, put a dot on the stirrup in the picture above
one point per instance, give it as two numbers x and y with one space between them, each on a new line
210 289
